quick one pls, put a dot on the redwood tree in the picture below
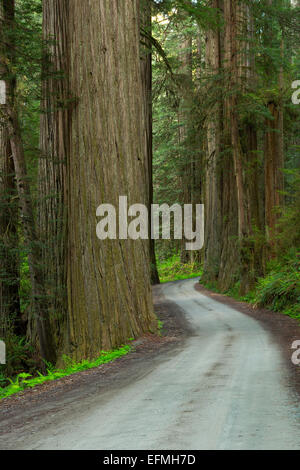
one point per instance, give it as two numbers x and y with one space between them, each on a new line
102 155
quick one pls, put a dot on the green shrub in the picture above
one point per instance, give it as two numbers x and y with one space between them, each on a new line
172 269
280 291
19 355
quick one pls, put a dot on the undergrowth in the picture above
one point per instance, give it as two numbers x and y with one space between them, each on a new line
26 380
173 270
279 290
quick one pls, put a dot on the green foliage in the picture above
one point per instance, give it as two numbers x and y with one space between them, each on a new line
19 357
25 286
172 269
280 290
160 326
25 380
288 230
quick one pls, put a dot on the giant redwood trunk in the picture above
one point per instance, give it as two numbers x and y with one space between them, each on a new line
213 190
109 294
232 188
240 260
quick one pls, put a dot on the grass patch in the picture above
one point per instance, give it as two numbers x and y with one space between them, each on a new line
24 380
173 270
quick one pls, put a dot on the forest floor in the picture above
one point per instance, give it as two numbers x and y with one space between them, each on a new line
220 377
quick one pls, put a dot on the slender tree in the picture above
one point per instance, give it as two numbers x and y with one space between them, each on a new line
10 113
146 70
9 271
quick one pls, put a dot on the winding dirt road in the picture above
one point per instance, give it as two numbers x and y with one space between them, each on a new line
223 389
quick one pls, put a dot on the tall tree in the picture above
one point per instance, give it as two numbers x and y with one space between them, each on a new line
274 146
146 70
54 144
213 194
185 82
101 156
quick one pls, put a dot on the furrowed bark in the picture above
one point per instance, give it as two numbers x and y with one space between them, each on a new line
146 71
213 191
54 143
109 296
184 116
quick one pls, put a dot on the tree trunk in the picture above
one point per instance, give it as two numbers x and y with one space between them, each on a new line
273 168
237 73
47 349
232 214
274 151
109 295
213 196
146 70
54 144
184 116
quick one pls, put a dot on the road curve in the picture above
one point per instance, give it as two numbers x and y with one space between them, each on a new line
224 389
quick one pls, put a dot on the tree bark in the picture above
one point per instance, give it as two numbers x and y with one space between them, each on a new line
232 215
241 140
109 295
54 144
184 116
213 189
273 168
274 151
146 70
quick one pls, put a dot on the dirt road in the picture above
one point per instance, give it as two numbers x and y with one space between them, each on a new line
224 388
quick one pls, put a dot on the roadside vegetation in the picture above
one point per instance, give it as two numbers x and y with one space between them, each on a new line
26 380
173 270
278 291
